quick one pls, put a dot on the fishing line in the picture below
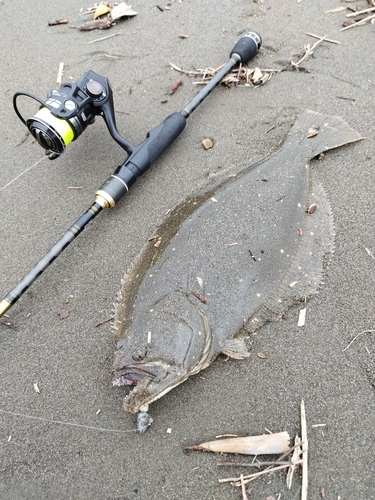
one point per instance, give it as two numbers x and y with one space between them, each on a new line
24 172
66 423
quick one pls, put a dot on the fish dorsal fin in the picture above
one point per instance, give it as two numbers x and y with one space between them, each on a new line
235 348
305 274
319 132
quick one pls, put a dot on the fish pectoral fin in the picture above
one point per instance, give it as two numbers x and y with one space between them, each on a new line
235 348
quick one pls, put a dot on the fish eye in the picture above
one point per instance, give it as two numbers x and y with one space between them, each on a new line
139 354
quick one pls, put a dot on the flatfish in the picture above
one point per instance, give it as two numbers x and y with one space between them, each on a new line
230 260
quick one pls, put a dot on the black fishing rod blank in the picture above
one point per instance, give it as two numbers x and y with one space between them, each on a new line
65 115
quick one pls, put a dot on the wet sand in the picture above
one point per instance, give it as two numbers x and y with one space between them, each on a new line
70 359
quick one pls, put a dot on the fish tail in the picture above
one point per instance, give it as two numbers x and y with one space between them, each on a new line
319 132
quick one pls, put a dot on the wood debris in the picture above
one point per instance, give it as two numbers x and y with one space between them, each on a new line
106 38
309 51
60 73
199 296
336 9
296 457
266 444
302 317
57 22
104 321
98 24
175 86
358 21
304 452
369 253
355 338
106 14
8 324
322 38
241 75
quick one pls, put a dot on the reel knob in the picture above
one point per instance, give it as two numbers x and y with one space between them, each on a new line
94 88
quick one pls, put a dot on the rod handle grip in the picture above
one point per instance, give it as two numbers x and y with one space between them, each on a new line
247 47
157 141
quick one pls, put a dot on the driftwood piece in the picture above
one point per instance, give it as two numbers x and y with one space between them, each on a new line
267 444
98 24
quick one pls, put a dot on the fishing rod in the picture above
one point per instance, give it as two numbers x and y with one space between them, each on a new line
67 112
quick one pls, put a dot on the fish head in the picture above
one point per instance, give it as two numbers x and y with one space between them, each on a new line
164 345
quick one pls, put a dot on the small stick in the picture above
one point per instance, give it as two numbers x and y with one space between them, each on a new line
358 335
322 37
106 37
308 52
269 468
252 477
60 73
354 25
183 71
304 452
252 464
354 14
244 496
57 22
295 457
104 321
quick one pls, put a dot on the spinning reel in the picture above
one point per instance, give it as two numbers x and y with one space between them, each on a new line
67 112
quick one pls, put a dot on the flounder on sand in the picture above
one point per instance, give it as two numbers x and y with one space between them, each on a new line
229 261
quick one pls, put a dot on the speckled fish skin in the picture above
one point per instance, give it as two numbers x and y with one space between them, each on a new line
229 266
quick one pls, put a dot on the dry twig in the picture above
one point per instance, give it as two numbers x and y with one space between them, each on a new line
322 38
278 464
358 23
106 37
304 445
358 12
355 338
60 73
295 457
240 75
308 52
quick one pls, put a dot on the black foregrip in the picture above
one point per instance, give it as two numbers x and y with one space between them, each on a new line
162 136
247 47
143 156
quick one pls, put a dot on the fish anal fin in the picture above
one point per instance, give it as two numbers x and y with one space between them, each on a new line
235 348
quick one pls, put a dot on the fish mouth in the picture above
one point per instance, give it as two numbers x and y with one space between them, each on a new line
150 382
131 375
